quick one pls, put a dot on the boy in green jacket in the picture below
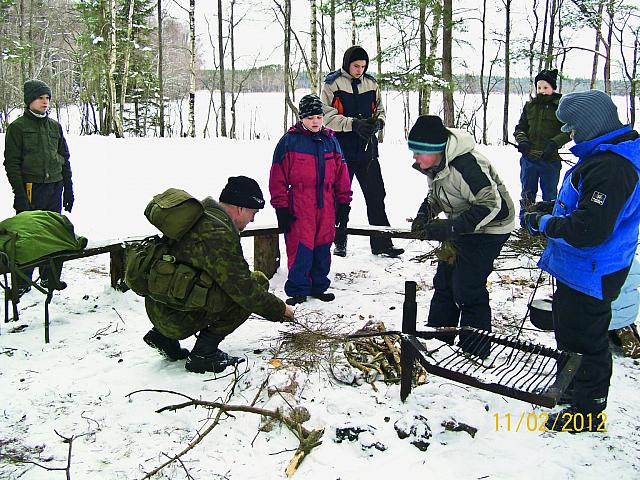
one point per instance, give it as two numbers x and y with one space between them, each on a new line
538 136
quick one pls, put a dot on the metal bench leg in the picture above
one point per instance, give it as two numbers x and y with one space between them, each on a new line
46 315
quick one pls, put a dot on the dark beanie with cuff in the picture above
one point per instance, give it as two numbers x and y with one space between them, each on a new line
242 192
310 105
354 54
549 76
428 135
34 89
589 114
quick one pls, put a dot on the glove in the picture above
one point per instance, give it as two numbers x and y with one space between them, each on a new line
549 151
342 215
542 207
532 222
418 225
67 197
363 128
285 219
379 125
21 202
438 229
524 147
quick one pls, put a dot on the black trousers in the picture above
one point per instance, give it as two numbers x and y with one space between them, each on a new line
460 290
371 183
581 324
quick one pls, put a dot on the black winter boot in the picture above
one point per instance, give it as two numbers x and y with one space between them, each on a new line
296 299
572 420
207 357
167 347
340 248
324 297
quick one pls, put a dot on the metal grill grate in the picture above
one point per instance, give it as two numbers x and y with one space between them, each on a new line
507 366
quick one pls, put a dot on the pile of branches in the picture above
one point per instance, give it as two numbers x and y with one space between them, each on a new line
378 357
523 243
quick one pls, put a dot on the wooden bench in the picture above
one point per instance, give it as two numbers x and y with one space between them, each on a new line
266 258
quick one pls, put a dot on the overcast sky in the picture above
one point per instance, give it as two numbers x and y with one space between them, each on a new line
259 35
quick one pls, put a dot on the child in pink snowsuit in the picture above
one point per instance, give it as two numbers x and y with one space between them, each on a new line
310 190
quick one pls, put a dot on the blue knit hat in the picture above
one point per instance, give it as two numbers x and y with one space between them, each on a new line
589 114
428 135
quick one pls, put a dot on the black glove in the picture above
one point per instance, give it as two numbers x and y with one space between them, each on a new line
21 202
532 222
67 197
342 215
542 207
379 125
285 219
549 151
438 229
363 128
524 147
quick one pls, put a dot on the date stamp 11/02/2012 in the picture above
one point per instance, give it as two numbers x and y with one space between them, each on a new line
537 422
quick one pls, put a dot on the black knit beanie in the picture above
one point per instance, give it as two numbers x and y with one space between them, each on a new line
242 192
310 105
353 54
549 76
428 135
34 89
589 114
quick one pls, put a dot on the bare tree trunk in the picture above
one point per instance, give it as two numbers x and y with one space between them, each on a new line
125 67
287 54
313 71
532 45
548 62
447 72
31 42
114 120
423 106
596 48
433 49
191 129
232 41
354 26
607 60
543 39
483 55
160 82
333 35
23 66
223 90
378 40
507 71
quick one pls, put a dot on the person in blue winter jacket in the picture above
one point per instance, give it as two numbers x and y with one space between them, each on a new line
592 236
624 312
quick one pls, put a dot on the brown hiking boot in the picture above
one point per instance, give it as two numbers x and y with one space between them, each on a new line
629 341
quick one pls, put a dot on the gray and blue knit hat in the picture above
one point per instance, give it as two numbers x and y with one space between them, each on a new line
589 114
428 135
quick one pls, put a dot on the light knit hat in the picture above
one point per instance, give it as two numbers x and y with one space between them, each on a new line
589 114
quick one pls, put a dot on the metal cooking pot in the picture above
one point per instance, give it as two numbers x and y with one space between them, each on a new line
540 314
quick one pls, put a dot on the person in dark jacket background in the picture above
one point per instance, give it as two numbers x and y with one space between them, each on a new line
354 110
592 236
36 159
539 136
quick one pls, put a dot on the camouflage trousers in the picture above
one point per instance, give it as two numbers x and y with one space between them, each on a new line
178 325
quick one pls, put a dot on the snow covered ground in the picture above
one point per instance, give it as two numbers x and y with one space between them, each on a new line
78 384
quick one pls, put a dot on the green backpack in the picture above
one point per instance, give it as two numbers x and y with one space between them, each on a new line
151 270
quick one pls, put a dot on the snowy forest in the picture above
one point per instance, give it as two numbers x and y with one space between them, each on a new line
132 67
